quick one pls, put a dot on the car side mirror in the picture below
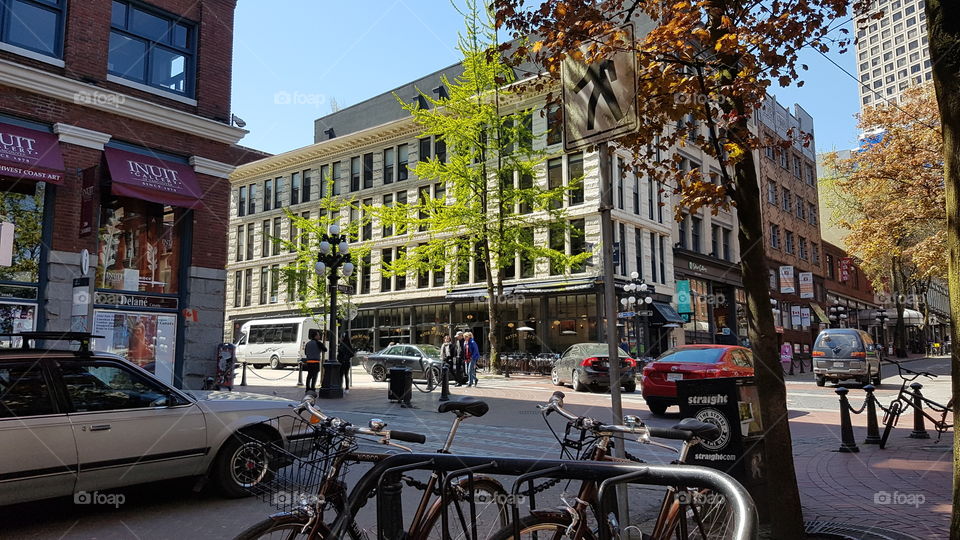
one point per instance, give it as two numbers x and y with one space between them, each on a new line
162 401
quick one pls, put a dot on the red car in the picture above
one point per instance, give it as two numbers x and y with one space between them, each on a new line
691 362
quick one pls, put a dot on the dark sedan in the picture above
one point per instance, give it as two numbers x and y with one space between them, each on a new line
421 359
585 366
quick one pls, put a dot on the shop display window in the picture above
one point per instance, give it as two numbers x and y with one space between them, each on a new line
139 246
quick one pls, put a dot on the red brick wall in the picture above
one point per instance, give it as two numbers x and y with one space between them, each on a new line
863 289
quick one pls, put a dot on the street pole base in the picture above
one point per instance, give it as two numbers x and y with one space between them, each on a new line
919 435
872 440
849 449
330 393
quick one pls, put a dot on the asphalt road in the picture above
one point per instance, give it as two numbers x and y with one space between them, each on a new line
172 510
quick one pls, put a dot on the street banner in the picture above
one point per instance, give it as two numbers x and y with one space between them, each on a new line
805 317
795 315
684 305
786 280
806 284
89 203
846 267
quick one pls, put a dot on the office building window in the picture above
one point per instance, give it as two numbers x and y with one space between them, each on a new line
423 199
367 171
305 192
815 252
275 284
252 201
527 262
247 286
237 287
355 173
638 251
440 149
242 201
623 249
578 243
250 233
831 268
787 200
727 255
388 166
365 271
653 257
812 210
636 194
386 281
802 244
682 231
555 179
267 195
264 283
277 223
772 192
774 236
366 222
387 202
663 260
479 265
265 238
325 179
239 244
277 189
696 232
337 176
295 186
147 46
801 209
556 242
402 158
424 154
714 241
554 124
575 174
797 166
650 198
789 242
620 173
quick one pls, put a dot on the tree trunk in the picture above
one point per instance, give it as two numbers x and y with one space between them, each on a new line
943 30
784 514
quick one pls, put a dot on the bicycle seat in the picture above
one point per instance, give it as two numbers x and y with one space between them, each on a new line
471 406
702 430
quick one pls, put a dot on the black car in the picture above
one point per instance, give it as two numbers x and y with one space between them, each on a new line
585 366
423 360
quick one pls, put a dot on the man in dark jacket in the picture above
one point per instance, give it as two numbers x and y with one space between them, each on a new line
345 354
459 359
313 356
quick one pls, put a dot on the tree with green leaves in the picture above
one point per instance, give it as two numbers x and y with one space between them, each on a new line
305 288
495 197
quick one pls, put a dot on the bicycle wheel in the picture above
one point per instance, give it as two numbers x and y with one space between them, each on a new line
490 502
696 514
541 526
286 527
892 415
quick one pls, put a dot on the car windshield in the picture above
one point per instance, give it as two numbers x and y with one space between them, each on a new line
430 350
838 345
600 349
692 356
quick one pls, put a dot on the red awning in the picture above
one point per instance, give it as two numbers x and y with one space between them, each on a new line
28 154
152 179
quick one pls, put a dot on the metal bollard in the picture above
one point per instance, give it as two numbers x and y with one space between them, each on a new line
847 444
444 383
919 430
243 375
300 372
873 428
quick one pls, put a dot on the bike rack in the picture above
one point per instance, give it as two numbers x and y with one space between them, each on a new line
744 511
515 491
447 484
389 499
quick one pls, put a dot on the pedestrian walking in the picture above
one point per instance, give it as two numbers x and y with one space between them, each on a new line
345 354
313 355
473 356
459 359
446 353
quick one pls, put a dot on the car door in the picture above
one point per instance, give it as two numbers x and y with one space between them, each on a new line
39 451
129 427
567 362
411 359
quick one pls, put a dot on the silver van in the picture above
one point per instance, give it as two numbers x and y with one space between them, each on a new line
273 342
846 353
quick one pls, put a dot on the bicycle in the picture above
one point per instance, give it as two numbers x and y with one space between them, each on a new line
682 510
315 486
908 398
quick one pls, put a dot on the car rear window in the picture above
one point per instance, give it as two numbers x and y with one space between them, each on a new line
692 356
599 349
838 345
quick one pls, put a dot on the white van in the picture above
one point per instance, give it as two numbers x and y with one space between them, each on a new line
274 342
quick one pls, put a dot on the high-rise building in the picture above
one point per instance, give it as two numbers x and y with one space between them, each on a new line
892 52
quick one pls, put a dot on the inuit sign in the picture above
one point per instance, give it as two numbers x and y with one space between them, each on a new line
152 179
30 155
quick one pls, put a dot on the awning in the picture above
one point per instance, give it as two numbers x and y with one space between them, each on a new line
911 317
822 315
152 179
28 154
665 314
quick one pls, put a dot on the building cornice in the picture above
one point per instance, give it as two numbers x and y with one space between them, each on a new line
58 87
79 136
304 157
210 167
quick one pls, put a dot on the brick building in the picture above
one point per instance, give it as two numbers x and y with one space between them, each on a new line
115 147
848 291
788 188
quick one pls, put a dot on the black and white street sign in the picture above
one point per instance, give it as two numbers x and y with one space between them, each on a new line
599 99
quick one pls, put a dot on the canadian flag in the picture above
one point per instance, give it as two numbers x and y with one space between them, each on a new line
190 314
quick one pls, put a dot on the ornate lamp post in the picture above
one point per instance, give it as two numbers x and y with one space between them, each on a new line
838 316
334 254
881 318
643 299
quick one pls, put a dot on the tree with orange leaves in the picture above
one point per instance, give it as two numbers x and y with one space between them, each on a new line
704 69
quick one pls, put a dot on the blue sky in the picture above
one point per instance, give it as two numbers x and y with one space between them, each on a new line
294 58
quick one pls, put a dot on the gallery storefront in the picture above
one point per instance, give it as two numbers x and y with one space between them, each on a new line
710 299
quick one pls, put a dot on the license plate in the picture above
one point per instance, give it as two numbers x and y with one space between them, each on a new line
839 364
674 376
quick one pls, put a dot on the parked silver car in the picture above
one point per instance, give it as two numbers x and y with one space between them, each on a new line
76 422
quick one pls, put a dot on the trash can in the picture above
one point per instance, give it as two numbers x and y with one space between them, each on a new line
401 384
733 404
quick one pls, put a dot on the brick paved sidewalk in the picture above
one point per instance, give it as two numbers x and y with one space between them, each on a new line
904 488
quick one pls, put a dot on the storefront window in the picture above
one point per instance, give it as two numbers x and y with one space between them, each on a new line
570 320
146 339
139 246
23 209
699 296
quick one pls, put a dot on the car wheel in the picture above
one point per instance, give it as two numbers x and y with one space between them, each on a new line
242 464
821 380
555 377
275 362
658 408
259 366
575 381
866 378
630 387
379 373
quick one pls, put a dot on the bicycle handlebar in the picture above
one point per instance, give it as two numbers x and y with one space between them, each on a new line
555 404
916 374
347 427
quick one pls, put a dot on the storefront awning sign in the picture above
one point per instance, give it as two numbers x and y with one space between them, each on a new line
152 179
28 154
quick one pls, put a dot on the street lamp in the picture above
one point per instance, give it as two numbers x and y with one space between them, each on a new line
334 254
643 297
881 318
